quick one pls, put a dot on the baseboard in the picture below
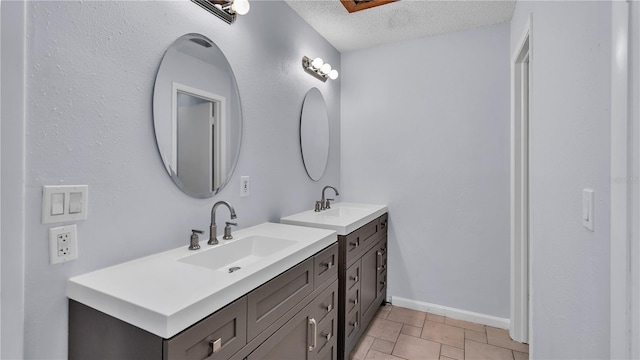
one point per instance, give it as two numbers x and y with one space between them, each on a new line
453 313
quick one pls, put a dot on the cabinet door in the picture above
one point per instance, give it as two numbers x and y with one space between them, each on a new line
369 280
304 337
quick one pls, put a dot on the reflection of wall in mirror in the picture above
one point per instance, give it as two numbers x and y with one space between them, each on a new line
184 69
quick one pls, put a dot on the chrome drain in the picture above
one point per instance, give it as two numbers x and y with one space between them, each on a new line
232 269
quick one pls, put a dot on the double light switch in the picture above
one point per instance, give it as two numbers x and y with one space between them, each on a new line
64 203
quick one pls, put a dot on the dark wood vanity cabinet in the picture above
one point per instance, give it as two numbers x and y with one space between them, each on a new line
362 274
292 316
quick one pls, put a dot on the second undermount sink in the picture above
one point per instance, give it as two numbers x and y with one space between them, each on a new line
239 253
342 217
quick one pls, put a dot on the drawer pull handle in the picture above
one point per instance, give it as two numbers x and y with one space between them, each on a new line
328 336
313 323
379 257
355 243
383 224
214 346
328 265
354 278
329 308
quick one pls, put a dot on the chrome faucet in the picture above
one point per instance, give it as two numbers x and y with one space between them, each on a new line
324 203
213 228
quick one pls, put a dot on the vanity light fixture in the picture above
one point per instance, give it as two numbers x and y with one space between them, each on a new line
319 69
227 10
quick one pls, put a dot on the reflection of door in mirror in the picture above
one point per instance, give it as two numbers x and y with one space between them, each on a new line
198 124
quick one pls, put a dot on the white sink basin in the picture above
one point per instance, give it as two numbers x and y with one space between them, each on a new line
167 292
239 253
343 217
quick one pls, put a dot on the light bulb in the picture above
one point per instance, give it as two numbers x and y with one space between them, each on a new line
333 74
325 69
240 7
317 63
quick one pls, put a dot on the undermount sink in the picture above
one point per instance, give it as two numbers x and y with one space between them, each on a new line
240 253
345 212
343 217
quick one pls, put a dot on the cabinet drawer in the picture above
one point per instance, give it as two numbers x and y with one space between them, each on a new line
358 241
384 222
326 303
216 337
382 256
325 265
382 283
352 300
270 301
352 325
329 351
353 276
326 333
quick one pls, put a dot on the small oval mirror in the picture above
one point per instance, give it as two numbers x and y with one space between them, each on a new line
314 134
197 116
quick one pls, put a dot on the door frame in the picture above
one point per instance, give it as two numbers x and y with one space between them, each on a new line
625 169
520 210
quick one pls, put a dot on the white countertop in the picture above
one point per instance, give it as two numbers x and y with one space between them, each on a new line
165 295
343 217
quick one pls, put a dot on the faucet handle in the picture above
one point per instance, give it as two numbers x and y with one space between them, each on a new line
227 230
318 206
327 204
194 242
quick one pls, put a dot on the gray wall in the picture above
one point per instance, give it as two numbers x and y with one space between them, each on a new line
425 129
89 78
570 150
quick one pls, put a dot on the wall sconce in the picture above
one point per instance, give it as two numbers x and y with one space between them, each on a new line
319 69
227 10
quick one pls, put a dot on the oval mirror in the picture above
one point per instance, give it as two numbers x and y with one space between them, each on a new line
197 116
314 134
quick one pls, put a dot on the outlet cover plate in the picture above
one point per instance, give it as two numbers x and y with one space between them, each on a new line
63 244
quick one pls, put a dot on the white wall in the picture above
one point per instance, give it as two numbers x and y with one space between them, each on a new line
425 129
570 147
90 73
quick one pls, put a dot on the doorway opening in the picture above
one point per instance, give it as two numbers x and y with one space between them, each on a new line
520 194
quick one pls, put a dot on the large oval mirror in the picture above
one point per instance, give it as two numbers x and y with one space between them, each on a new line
314 134
197 115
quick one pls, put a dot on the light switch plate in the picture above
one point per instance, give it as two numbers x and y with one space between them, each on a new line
74 205
587 208
244 186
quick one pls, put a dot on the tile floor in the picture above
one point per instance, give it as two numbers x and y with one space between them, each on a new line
398 333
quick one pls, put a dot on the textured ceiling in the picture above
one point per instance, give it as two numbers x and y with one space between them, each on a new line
401 20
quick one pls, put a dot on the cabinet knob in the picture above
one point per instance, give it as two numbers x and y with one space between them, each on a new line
383 283
328 265
354 278
355 243
329 308
355 301
327 336
354 324
214 346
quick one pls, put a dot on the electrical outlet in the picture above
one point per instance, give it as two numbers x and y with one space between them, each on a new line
244 186
63 245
